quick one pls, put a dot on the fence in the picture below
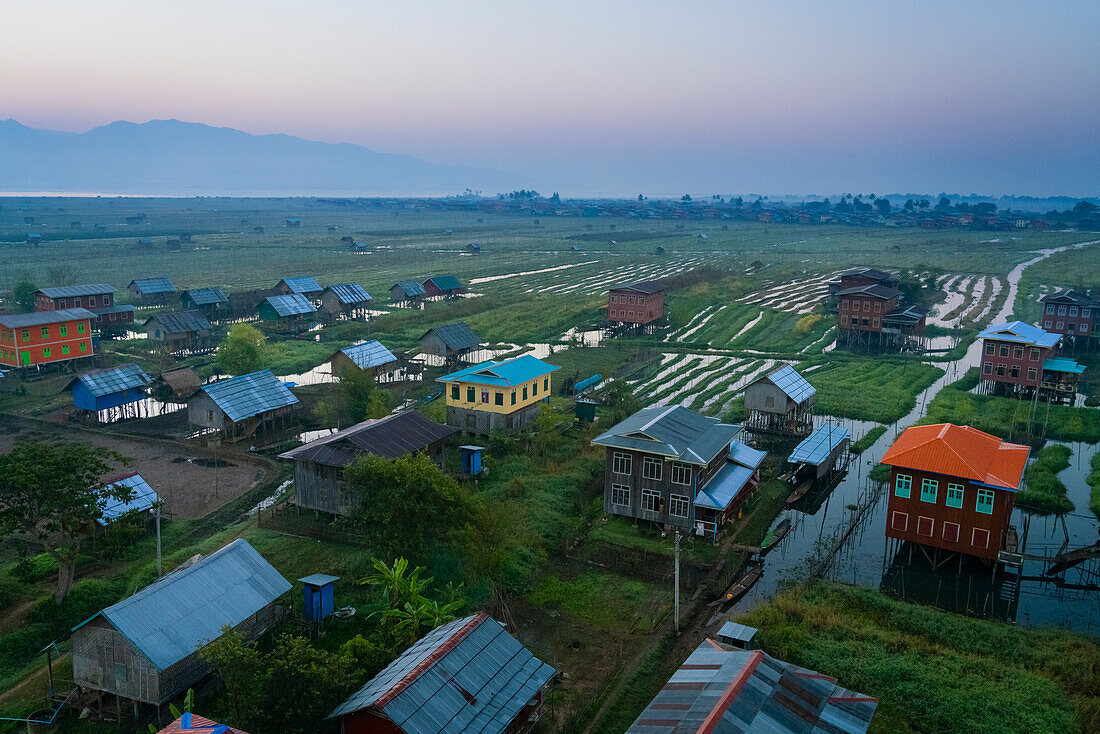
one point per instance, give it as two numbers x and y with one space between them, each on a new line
288 518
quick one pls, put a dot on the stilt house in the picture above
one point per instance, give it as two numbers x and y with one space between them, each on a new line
494 395
443 286
240 406
347 299
407 291
1013 355
286 310
181 332
637 303
369 356
145 648
143 499
212 302
149 291
450 341
99 298
1073 314
46 337
780 402
302 285
111 392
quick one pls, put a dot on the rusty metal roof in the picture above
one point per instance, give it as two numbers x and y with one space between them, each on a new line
720 690
172 617
466 676
389 437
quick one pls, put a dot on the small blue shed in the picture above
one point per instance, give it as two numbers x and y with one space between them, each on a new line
318 596
109 388
471 459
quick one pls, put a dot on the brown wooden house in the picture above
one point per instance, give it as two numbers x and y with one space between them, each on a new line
637 303
1071 313
952 488
99 298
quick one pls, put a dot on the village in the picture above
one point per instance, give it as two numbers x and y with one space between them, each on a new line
520 464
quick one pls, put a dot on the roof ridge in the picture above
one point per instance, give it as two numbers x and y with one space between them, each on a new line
430 659
668 409
730 693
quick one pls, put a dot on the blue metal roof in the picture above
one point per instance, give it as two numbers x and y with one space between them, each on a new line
1062 364
672 431
302 284
319 579
466 676
1021 333
746 455
410 288
144 498
206 296
368 354
507 373
38 318
153 286
292 304
113 380
819 445
170 618
791 383
455 336
350 294
248 395
724 486
69 291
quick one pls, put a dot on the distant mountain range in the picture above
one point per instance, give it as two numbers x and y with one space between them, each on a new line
169 157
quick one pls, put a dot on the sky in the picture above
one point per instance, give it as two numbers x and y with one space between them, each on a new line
602 97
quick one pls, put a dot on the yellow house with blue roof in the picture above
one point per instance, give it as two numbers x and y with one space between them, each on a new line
495 395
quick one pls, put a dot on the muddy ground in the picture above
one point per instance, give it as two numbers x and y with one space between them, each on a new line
184 476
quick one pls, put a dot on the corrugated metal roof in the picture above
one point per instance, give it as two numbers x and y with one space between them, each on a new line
737 631
724 486
876 291
195 724
1071 296
959 451
350 294
144 498
153 286
248 395
1021 333
793 385
206 296
38 318
170 618
746 455
455 336
112 380
506 373
726 691
390 437
302 284
445 282
67 291
672 431
466 676
290 305
819 445
117 308
648 287
410 288
181 322
368 354
1062 364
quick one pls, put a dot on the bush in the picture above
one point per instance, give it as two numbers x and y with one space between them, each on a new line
1045 493
32 569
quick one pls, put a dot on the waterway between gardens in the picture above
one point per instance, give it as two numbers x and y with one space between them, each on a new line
1068 600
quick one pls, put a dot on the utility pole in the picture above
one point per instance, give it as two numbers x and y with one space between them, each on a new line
160 571
676 591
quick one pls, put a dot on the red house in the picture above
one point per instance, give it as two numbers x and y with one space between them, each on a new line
869 303
863 308
952 488
1071 313
1013 355
637 303
43 337
99 298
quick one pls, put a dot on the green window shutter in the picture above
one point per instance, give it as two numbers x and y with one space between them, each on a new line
928 490
903 485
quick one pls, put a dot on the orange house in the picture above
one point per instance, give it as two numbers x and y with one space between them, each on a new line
31 339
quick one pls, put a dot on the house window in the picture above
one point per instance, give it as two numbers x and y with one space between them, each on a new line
984 503
470 395
651 500
991 349
899 521
631 300
454 392
1004 350
485 396
1001 369
80 327
651 468
83 346
1061 310
614 298
951 532
1084 328
524 392
46 352
620 495
678 505
987 368
844 304
843 319
1032 373
681 473
979 538
1034 354
513 397
875 323
76 303
1072 310
534 388
1060 325
902 486
928 489
1014 370
45 332
925 526
620 463
91 300
498 398
1017 352
878 307
546 384
63 329
1047 324
64 348
1086 312
1050 309
955 495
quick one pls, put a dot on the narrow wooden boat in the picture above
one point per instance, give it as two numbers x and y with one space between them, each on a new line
775 535
740 586
800 492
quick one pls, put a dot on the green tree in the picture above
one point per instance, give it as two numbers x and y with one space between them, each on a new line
23 294
362 398
621 400
405 504
244 350
51 495
882 206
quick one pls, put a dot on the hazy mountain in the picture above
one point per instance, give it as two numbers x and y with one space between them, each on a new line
168 157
